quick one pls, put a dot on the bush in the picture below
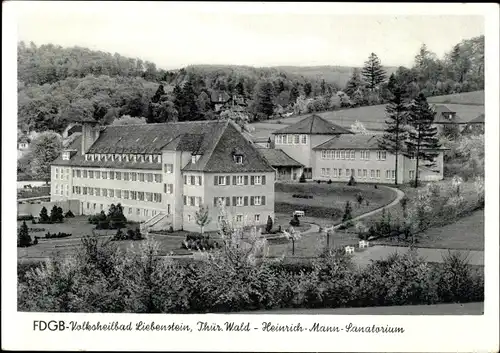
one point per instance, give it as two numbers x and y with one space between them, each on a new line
329 181
347 212
269 224
196 241
318 181
295 221
299 196
129 235
56 215
101 279
352 181
33 221
302 178
23 237
56 235
69 214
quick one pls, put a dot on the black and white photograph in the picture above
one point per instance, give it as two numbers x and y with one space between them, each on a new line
234 161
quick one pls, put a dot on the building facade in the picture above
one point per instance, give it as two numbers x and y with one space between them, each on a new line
165 172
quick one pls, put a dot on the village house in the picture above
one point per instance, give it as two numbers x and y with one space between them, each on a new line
287 168
446 119
23 144
330 152
163 173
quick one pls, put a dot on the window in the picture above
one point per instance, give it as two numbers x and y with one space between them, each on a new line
296 139
193 159
57 173
340 172
329 154
149 177
239 180
170 188
111 175
101 206
381 155
133 176
387 174
125 194
257 200
367 154
118 194
149 196
393 174
257 180
88 204
138 212
111 193
372 173
337 154
412 174
97 191
157 178
199 180
168 209
189 217
105 175
118 175
141 176
126 176
323 154
239 201
335 172
56 187
353 154
323 171
289 139
94 206
140 195
169 168
347 172
303 140
91 174
157 197
130 210
65 156
222 180
85 173
342 154
220 219
239 218
256 218
238 159
192 180
78 173
97 174
365 173
133 195
105 192
378 173
359 172
85 190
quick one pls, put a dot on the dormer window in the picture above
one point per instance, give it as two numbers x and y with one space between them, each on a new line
65 156
193 159
238 159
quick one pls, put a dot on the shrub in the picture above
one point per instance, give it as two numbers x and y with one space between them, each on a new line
347 212
318 181
302 178
295 221
69 214
352 181
359 198
44 215
269 224
129 235
33 221
56 235
170 229
56 215
195 241
329 181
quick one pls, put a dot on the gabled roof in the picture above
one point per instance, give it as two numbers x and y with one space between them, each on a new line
215 141
478 120
313 125
352 142
441 109
278 158
216 97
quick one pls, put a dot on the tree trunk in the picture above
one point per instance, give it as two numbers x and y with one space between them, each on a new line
416 167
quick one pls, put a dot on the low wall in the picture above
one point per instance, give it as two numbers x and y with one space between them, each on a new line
33 183
34 209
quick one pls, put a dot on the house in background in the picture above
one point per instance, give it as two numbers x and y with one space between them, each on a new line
475 126
447 118
287 168
299 139
163 173
71 129
23 145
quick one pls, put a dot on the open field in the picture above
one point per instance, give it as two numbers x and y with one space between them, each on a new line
474 98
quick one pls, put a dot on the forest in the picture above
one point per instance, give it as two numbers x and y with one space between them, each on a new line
59 85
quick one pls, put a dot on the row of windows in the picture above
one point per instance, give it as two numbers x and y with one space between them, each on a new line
290 139
123 157
240 180
112 175
193 201
239 218
117 193
350 154
61 173
61 190
240 201
192 180
126 210
362 173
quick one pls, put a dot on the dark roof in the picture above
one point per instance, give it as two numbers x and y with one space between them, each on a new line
278 158
216 95
313 125
478 120
439 118
225 146
153 138
214 140
353 142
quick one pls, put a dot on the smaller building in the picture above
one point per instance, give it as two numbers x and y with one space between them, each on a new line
448 120
23 145
286 167
475 126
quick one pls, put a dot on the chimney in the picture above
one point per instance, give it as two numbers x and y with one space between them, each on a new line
90 133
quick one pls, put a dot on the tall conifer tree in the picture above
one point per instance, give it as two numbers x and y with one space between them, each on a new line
373 72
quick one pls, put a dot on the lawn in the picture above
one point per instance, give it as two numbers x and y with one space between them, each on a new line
79 227
328 202
34 192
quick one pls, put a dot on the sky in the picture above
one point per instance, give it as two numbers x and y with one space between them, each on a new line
174 35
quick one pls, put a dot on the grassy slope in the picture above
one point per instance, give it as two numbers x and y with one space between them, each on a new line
472 98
